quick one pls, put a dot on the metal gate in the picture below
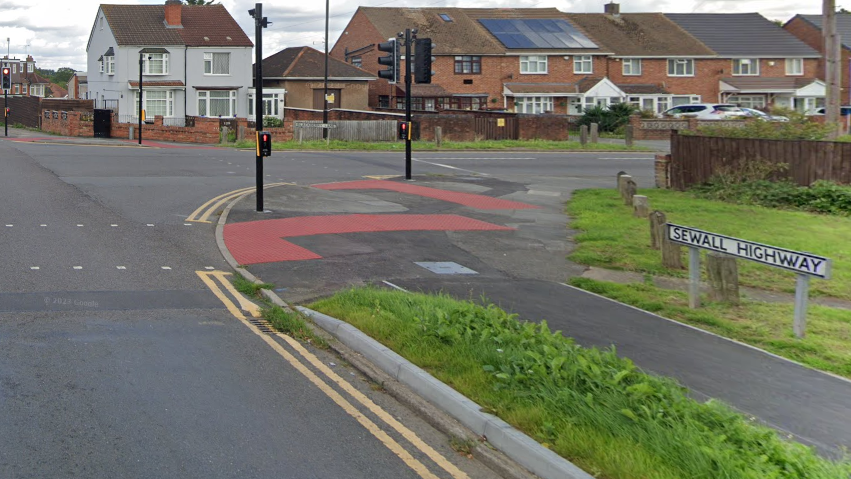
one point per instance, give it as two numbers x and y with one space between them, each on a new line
102 123
507 128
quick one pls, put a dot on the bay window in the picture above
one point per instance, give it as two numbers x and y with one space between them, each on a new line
213 103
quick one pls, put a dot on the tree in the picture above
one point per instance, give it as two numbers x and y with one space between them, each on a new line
62 75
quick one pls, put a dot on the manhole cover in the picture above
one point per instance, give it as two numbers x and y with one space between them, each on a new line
445 267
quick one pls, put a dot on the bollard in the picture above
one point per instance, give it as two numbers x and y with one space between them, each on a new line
583 135
629 131
131 133
438 136
595 132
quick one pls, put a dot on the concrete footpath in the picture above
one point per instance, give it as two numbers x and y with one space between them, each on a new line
484 237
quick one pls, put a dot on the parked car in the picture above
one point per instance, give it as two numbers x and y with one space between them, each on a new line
843 111
705 111
761 115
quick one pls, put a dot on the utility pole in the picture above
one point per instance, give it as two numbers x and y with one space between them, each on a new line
141 98
325 90
833 70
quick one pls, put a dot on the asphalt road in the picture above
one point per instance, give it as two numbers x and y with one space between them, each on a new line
116 360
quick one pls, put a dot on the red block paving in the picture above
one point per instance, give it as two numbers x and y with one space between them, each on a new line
261 241
481 202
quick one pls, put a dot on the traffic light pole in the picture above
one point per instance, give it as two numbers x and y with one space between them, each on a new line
258 98
6 111
408 102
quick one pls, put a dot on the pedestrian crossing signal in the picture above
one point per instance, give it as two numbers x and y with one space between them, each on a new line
404 130
264 143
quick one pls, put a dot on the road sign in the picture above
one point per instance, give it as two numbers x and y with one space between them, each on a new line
311 124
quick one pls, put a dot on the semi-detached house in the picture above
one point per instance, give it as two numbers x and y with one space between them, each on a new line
196 60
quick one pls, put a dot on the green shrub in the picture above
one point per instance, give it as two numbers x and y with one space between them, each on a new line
608 119
821 197
799 127
272 122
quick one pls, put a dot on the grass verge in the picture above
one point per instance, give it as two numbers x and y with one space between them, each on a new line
588 405
447 145
827 345
612 238
249 288
293 324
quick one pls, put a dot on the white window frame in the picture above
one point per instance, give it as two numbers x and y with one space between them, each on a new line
146 64
110 65
631 67
30 67
101 65
209 58
687 70
794 67
206 98
24 89
533 104
536 62
169 103
748 101
745 67
14 68
583 64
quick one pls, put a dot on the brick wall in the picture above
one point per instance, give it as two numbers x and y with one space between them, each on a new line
809 34
662 169
67 123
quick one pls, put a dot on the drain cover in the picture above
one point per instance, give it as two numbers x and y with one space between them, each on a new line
445 267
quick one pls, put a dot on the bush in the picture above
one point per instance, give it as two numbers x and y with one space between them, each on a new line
272 122
608 119
799 127
821 197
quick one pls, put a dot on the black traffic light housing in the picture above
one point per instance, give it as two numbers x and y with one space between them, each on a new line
7 79
422 60
264 143
390 74
404 130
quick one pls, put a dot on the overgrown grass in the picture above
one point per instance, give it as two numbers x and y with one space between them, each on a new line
447 145
293 324
249 288
827 345
590 406
612 238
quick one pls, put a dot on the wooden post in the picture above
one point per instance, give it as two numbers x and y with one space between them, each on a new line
723 273
640 206
657 229
622 184
629 132
438 136
583 135
618 179
693 276
629 192
595 128
672 253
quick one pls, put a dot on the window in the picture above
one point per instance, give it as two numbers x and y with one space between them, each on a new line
746 66
533 64
680 67
684 100
217 103
794 66
157 102
30 67
445 17
100 64
533 104
632 66
17 89
383 101
110 65
468 65
270 104
14 68
101 23
24 89
217 63
747 101
357 61
583 64
156 64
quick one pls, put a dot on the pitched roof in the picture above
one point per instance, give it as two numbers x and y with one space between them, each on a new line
843 25
639 89
57 91
462 33
35 78
738 35
307 62
207 25
762 84
640 34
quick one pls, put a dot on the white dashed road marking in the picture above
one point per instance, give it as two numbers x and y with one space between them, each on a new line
78 267
121 267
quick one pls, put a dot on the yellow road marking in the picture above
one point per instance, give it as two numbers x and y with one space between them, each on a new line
244 303
368 424
220 200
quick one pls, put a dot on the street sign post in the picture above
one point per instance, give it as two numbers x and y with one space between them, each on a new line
804 265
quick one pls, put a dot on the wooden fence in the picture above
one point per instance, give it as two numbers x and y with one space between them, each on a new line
348 130
695 159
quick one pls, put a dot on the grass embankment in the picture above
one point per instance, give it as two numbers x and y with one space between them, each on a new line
612 238
447 145
590 406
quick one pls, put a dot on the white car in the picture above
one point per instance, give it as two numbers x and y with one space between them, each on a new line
705 111
761 115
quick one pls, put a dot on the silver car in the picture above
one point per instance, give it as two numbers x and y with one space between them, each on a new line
705 111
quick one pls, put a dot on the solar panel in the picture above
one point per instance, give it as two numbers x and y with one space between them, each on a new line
541 33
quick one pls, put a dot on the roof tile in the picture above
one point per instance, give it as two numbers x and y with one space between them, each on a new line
145 25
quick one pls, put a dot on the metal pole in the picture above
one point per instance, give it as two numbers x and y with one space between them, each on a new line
325 95
694 278
258 99
802 290
6 111
141 102
408 102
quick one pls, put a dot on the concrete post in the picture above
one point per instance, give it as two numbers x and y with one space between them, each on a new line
583 135
628 134
595 135
438 136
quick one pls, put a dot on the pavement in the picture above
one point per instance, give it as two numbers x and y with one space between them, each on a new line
480 237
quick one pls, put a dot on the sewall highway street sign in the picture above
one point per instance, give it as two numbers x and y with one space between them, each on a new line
799 262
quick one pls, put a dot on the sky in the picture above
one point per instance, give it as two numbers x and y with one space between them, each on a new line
55 32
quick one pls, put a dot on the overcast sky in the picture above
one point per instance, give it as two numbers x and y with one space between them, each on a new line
55 32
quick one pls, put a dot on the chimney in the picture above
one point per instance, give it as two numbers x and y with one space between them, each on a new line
612 8
173 9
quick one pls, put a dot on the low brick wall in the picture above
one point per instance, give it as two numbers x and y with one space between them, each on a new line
67 123
661 128
662 168
206 130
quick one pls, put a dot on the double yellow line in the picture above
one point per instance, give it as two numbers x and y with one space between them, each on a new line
203 213
209 277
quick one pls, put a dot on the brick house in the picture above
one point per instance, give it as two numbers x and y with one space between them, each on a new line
480 63
808 29
299 73
196 61
78 86
25 80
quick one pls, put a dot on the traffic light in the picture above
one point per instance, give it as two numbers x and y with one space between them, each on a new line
392 60
422 60
7 79
404 130
264 143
